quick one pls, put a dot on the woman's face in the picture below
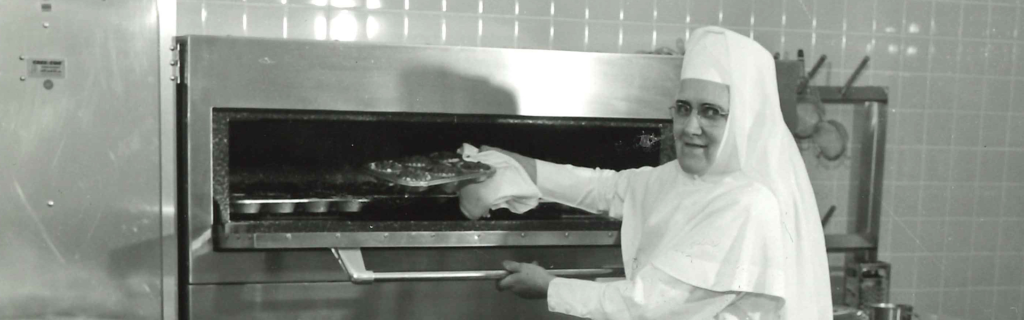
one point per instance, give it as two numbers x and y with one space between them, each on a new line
698 123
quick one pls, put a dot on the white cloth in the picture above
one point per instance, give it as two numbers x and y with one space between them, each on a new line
510 187
750 224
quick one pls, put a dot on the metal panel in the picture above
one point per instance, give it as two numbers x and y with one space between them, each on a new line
168 158
80 209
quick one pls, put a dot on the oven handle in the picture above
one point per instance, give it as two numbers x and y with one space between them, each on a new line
351 260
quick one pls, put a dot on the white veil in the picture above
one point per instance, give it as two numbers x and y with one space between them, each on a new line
758 143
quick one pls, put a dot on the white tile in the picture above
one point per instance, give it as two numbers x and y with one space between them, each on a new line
389 27
424 28
970 94
913 95
799 14
463 6
955 273
886 53
935 204
994 130
608 10
860 16
771 40
828 15
705 12
857 48
224 19
637 38
1016 127
1003 24
889 17
1015 171
265 21
500 7
918 18
674 12
534 33
939 129
568 35
638 10
973 57
986 239
498 32
307 23
535 8
671 36
737 13
570 9
962 202
1010 270
965 165
998 94
981 304
1000 59
944 56
975 21
946 19
425 5
1008 304
190 18
603 37
462 30
1011 237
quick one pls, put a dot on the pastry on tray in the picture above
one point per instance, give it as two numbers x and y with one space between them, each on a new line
442 171
414 175
416 162
386 166
446 157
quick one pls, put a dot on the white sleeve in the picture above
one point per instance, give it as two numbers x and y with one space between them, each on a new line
653 294
593 190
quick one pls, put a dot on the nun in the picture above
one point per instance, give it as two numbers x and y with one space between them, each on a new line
730 230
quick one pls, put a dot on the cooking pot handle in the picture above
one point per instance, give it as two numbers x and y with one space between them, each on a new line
351 259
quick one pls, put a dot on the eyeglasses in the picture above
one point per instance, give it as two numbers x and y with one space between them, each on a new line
707 114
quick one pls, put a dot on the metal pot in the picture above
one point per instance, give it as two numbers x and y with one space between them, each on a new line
848 313
889 311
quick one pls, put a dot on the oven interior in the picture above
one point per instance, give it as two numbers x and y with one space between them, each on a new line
273 165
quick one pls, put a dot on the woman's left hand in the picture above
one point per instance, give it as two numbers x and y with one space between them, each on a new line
526 280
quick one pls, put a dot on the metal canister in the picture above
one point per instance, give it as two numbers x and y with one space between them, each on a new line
889 311
868 283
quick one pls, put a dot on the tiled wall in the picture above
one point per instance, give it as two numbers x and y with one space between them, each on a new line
954 192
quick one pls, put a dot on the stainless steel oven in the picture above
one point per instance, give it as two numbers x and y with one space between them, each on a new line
281 221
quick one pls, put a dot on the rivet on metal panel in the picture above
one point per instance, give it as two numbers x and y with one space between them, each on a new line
477 236
566 234
174 63
611 234
174 78
174 47
337 235
385 235
46 24
49 203
21 57
522 234
288 235
22 78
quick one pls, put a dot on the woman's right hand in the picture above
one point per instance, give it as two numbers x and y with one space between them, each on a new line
528 164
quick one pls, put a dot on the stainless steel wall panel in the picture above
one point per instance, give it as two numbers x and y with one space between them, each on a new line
80 209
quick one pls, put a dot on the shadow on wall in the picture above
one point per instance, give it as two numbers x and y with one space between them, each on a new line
434 86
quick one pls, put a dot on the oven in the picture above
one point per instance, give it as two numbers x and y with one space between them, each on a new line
278 216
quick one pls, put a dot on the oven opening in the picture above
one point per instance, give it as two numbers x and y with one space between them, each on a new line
311 165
